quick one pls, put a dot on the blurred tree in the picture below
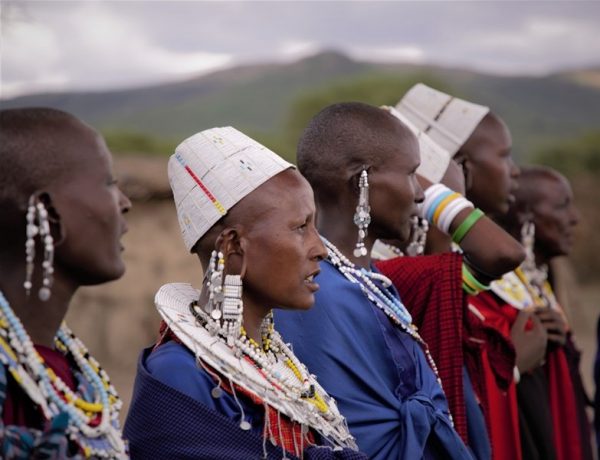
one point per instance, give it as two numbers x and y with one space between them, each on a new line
572 157
138 143
375 89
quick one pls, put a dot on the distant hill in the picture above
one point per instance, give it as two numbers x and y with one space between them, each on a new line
259 98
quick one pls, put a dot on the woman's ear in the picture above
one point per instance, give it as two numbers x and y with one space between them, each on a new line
57 227
232 244
468 173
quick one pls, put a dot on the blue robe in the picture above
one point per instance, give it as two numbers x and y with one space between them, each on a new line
378 374
173 415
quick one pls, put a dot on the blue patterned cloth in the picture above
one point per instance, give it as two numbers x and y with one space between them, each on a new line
168 423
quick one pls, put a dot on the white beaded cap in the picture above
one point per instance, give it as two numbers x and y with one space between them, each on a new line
213 170
448 120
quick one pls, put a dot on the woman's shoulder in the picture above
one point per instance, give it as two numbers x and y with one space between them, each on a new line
173 364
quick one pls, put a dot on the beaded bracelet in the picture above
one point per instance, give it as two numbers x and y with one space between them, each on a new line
470 284
442 205
466 225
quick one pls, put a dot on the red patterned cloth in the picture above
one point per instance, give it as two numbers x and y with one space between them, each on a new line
431 289
563 407
285 432
491 371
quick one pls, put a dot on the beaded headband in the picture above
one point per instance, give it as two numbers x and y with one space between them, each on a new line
448 120
434 158
213 170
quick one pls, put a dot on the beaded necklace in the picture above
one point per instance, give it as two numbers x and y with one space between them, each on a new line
391 305
271 371
269 359
93 425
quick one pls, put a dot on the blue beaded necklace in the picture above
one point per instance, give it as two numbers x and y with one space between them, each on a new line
391 305
18 353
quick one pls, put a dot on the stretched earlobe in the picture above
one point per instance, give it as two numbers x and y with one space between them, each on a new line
57 227
232 245
468 174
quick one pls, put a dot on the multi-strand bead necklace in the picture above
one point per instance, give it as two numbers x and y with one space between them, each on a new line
388 303
275 362
93 425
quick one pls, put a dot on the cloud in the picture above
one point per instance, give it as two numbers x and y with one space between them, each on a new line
407 53
92 48
97 45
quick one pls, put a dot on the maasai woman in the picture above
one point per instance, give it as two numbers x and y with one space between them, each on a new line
221 383
551 399
480 141
61 221
359 338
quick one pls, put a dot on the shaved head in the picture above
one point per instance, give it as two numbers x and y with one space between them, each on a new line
529 191
37 147
343 138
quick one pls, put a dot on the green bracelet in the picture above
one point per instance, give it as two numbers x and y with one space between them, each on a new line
472 282
466 225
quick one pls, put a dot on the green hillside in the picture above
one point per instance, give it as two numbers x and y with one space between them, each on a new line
274 101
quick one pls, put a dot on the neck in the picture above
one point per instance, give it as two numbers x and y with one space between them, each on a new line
253 321
340 231
40 319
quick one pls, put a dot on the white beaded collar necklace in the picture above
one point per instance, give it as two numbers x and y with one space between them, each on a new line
264 374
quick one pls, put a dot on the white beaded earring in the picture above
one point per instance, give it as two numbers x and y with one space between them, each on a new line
233 307
31 231
38 224
528 242
418 236
225 297
214 283
47 264
362 216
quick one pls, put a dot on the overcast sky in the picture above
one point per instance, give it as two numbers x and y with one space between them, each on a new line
74 45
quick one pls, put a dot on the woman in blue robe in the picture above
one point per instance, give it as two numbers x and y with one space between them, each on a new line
358 339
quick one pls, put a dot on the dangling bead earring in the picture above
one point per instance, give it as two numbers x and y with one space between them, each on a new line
48 242
362 217
528 242
37 224
224 298
418 236
233 307
214 283
31 231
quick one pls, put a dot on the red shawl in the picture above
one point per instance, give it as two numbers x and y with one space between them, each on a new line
491 372
431 289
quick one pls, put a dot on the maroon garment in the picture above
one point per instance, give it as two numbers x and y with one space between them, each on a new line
431 289
18 409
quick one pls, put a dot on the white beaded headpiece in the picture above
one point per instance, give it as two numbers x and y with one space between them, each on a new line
434 159
448 122
213 170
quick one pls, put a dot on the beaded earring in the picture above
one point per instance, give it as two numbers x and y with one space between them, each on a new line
233 307
528 242
224 298
214 283
418 236
362 217
38 224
